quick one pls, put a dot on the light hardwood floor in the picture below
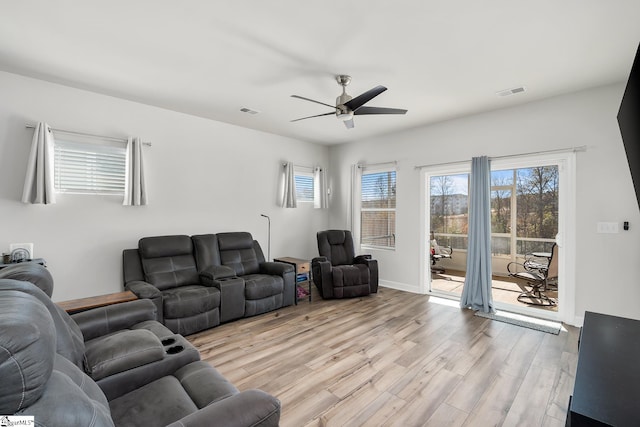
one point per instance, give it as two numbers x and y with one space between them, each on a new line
396 359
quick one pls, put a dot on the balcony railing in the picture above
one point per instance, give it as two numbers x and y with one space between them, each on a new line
501 244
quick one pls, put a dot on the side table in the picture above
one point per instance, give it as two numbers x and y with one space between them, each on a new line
83 304
302 268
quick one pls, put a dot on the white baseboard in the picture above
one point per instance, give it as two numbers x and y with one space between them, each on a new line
578 321
399 286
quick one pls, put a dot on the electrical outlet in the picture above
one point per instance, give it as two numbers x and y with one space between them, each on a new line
607 227
25 249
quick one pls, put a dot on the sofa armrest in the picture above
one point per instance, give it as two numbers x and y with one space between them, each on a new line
143 289
275 268
288 274
209 275
245 409
372 264
111 318
321 269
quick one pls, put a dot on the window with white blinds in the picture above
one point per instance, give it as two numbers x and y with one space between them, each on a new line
304 185
83 168
378 208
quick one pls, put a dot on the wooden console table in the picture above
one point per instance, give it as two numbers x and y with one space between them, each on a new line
82 304
607 382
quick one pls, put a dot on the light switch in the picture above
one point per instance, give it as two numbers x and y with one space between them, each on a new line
608 227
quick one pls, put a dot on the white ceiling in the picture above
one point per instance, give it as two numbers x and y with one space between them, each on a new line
439 59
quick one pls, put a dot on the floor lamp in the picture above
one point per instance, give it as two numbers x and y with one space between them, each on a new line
269 238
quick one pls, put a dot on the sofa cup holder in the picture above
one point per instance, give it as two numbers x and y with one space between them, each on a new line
168 341
175 349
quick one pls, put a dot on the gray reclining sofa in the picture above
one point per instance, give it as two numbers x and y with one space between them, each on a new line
198 282
109 366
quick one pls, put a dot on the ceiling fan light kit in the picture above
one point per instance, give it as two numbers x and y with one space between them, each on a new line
346 106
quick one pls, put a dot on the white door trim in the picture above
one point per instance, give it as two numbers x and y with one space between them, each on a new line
566 237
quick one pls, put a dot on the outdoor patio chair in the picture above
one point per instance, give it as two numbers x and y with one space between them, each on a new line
536 274
437 253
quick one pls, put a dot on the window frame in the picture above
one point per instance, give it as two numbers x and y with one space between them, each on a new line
566 237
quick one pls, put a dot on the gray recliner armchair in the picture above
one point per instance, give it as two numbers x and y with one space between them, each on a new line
38 381
338 272
120 346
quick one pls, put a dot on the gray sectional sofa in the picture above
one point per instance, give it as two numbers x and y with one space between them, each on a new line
198 282
109 366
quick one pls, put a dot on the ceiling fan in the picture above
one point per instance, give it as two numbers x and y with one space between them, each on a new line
346 107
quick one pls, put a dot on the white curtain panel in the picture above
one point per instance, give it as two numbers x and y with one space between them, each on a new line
355 204
39 180
135 191
289 188
320 196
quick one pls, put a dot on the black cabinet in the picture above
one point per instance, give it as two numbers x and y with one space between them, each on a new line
607 385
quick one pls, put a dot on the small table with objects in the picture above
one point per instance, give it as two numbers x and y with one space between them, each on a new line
302 268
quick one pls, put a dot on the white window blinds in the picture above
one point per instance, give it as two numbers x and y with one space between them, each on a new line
89 168
378 208
304 185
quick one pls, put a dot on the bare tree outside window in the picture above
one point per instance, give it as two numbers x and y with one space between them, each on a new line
449 206
537 213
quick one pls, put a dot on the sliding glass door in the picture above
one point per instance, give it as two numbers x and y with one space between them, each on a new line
526 218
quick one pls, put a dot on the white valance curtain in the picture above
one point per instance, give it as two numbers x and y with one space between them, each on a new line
135 191
320 189
39 179
289 186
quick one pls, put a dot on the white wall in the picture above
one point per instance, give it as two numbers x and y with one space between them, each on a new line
202 177
607 276
205 176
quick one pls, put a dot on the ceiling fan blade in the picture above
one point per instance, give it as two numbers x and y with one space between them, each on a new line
349 123
379 110
360 100
311 100
317 115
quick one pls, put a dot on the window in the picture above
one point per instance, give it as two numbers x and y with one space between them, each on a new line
450 209
524 209
304 184
378 208
536 218
84 168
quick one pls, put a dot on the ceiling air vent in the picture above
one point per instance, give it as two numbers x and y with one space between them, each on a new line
248 110
511 91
